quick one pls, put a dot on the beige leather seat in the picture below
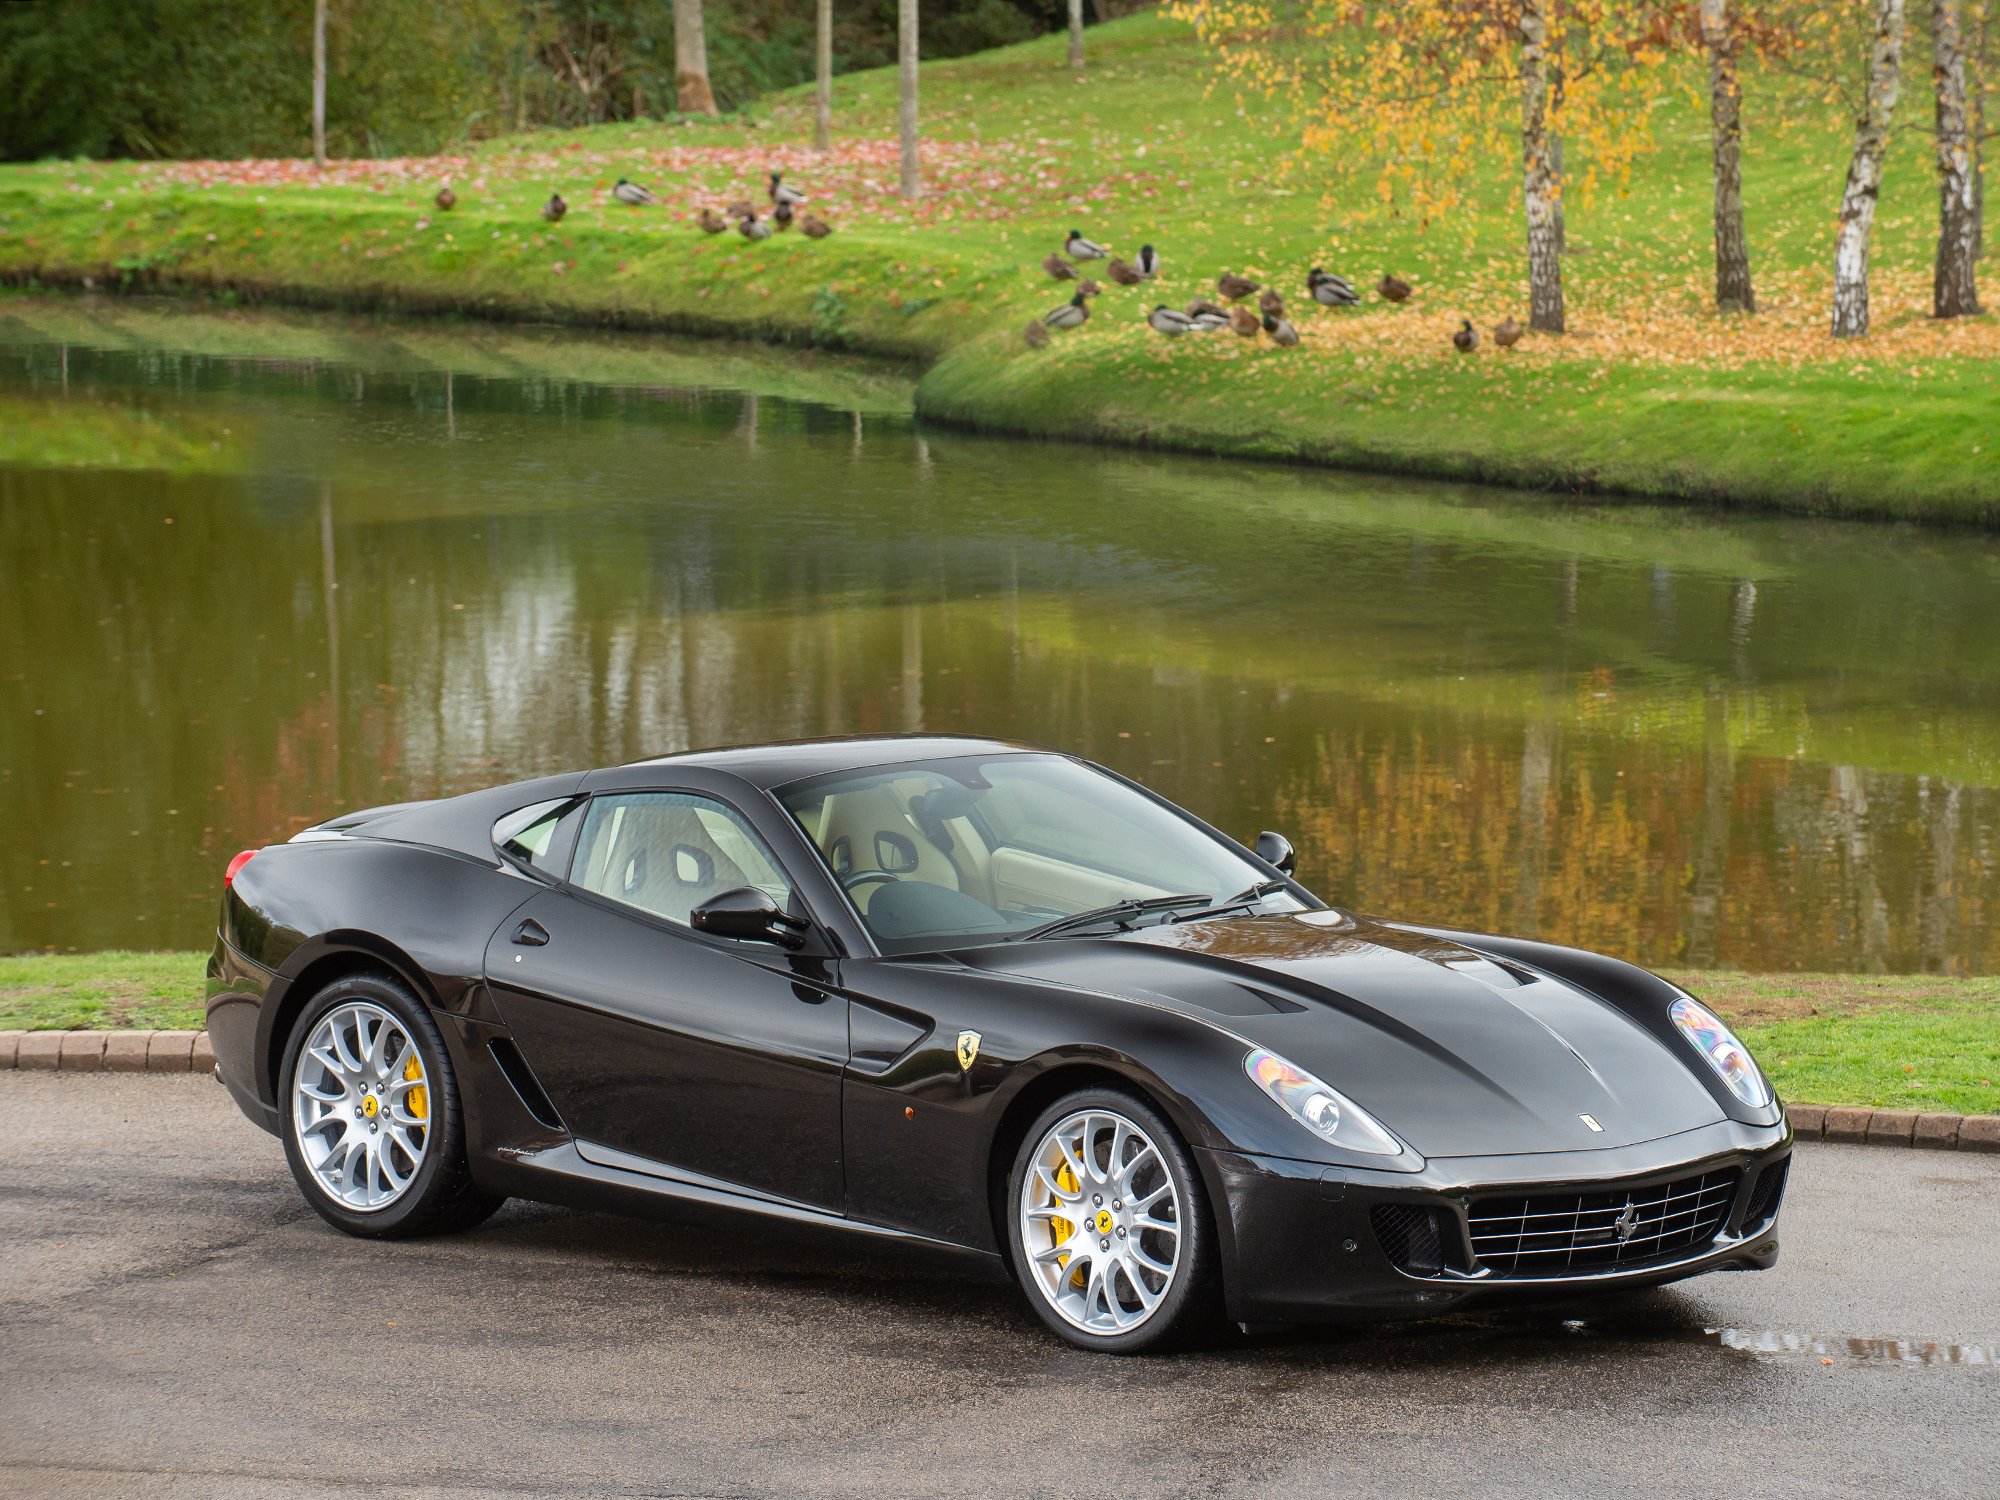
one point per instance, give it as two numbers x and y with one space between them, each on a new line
658 857
871 830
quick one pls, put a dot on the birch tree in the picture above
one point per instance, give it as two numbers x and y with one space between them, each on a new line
319 84
693 96
912 184
1864 173
822 75
1541 178
1954 287
1733 292
1076 34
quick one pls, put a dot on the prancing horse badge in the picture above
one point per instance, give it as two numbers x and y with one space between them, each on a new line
968 1049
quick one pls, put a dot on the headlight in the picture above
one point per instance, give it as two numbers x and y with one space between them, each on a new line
1327 1114
1725 1054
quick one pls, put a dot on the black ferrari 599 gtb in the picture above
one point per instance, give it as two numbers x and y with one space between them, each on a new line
981 999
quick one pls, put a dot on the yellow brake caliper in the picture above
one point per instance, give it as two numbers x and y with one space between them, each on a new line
1061 1229
418 1101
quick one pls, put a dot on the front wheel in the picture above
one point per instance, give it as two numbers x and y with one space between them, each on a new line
1109 1227
372 1125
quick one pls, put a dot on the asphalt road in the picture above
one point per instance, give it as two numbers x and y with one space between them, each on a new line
174 1321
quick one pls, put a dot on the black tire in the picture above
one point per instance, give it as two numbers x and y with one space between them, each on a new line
441 1197
1191 1311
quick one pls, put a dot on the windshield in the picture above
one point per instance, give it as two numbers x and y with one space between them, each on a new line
981 849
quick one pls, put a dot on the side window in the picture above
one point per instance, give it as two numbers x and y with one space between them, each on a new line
667 852
538 835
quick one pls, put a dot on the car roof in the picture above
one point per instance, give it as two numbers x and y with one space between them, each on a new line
773 765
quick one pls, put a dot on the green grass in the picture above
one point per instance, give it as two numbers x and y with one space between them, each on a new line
1650 394
1916 1041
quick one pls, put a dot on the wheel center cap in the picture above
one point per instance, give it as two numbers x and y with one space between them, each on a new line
1104 1221
371 1106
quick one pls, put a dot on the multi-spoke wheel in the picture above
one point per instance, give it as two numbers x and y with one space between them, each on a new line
373 1131
1109 1232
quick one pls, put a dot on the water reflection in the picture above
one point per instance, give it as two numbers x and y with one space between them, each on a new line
267 586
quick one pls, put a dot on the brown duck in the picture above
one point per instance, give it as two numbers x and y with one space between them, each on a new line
1244 322
1035 335
1393 288
813 227
1202 307
1235 287
1507 333
1271 305
1124 272
711 222
1057 267
742 208
446 199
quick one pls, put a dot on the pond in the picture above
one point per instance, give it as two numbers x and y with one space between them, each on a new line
261 570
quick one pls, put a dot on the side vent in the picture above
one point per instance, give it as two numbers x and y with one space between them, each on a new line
517 1072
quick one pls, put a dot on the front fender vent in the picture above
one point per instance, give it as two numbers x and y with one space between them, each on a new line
514 1068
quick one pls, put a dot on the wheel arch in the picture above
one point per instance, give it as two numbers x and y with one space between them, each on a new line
332 956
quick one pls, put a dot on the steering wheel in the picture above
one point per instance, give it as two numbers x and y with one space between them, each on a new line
860 878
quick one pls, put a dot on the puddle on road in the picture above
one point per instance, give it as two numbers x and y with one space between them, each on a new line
1833 1350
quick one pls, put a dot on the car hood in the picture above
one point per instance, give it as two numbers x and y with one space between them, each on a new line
1458 1054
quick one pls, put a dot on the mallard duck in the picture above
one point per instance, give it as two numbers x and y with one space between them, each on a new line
742 208
446 199
1089 288
753 228
1169 320
1201 307
785 196
1393 288
1235 287
1123 272
1035 335
1059 268
632 193
813 227
1244 322
1281 331
1148 262
1271 305
1329 290
711 222
782 214
1507 333
555 208
1072 314
1212 321
1467 337
1076 247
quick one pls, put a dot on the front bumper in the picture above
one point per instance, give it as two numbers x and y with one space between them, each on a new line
1301 1241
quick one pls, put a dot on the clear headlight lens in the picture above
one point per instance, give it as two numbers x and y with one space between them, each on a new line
1725 1054
1325 1112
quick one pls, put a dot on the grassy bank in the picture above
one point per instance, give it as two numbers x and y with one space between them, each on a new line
1893 1042
1649 394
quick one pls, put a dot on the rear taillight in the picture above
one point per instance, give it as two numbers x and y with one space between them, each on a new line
229 875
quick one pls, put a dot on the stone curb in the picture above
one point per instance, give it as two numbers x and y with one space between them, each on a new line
190 1052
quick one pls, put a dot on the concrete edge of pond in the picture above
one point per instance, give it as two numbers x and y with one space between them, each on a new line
190 1052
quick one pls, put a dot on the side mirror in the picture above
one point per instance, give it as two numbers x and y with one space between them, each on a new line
749 915
1276 849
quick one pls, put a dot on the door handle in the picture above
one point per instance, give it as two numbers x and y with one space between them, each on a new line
531 934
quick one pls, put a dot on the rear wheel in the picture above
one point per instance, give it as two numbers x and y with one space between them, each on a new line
372 1125
1109 1227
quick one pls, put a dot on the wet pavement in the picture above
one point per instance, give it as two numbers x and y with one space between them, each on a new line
178 1323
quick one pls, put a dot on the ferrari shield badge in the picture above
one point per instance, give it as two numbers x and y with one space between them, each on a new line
968 1049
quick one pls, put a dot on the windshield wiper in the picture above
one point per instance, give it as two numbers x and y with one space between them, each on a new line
1116 910
1242 899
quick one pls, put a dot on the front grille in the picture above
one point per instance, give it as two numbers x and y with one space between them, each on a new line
1765 1197
1556 1233
1412 1237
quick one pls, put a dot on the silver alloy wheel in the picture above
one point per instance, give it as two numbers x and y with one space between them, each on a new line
1100 1222
361 1107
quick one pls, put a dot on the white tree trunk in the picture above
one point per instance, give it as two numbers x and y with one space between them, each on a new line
1864 174
319 83
693 96
1541 179
1954 287
1733 292
1076 34
906 96
823 75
